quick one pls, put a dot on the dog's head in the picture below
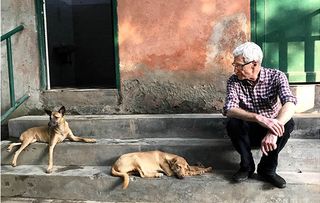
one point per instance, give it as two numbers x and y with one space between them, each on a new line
56 117
179 166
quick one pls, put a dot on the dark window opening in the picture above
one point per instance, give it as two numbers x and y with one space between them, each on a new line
80 43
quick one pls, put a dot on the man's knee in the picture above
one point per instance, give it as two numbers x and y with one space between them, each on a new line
234 123
289 126
235 126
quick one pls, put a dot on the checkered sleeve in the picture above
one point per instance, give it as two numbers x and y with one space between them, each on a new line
285 93
232 98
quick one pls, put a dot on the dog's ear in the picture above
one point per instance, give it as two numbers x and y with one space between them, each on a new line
172 161
62 110
48 112
169 163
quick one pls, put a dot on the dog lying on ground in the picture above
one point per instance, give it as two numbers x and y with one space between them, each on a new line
153 164
56 131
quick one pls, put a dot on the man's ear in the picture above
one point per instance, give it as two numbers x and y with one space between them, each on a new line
62 110
48 112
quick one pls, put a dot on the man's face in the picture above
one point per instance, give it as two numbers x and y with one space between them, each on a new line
242 69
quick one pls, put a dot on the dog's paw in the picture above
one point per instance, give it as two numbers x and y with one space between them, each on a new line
49 170
159 175
209 169
92 140
9 149
199 164
13 164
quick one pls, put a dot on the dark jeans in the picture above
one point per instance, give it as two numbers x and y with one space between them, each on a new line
247 135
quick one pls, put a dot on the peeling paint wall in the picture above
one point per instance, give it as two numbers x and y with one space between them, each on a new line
175 55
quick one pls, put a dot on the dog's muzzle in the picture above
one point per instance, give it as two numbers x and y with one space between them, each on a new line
180 176
52 124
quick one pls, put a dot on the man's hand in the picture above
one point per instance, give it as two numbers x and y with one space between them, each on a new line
269 143
274 125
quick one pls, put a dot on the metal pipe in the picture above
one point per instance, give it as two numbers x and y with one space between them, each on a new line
10 72
14 107
12 32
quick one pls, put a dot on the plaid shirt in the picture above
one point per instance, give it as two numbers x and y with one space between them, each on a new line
262 98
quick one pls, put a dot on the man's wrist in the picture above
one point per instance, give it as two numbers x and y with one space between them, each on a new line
280 121
257 118
270 133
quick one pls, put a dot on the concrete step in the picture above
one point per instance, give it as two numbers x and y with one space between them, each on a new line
95 183
297 155
205 126
45 200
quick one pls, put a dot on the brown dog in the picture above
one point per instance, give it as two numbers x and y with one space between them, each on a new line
56 131
153 164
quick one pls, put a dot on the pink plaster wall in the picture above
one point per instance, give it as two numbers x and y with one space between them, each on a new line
179 35
176 55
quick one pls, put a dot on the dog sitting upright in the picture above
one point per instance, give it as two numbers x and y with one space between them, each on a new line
153 164
56 131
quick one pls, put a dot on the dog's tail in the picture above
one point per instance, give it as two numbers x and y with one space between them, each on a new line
124 175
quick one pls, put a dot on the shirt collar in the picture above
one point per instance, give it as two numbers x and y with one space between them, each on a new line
262 74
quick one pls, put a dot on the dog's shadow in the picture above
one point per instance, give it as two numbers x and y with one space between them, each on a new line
115 185
116 182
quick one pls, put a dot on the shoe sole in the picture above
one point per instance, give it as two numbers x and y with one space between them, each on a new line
244 179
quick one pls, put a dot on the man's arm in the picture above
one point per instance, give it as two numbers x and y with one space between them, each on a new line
241 114
286 112
269 142
274 125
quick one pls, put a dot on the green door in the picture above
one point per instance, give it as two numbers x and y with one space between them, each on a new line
289 33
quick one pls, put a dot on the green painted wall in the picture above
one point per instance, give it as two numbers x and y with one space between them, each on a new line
289 33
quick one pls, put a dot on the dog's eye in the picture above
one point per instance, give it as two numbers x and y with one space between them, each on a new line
178 167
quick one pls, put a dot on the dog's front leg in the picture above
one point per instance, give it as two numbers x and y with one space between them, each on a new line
167 170
74 138
24 144
149 174
51 148
196 170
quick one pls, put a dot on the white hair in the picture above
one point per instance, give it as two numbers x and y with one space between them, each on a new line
250 52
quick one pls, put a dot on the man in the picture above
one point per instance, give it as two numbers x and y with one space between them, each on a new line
260 106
